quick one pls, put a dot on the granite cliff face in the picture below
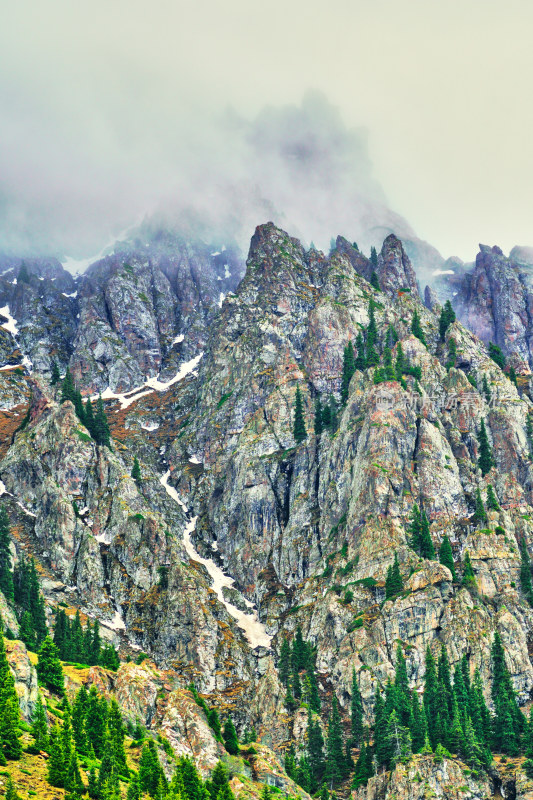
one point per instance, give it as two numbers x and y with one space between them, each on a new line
493 298
306 529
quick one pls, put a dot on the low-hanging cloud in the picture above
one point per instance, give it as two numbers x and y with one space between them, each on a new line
111 111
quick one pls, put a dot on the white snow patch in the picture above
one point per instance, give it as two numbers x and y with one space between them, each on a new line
171 491
150 426
11 324
221 299
3 489
27 363
227 273
194 460
14 281
178 339
125 399
443 272
116 624
254 629
152 384
216 254
74 294
185 369
83 511
26 511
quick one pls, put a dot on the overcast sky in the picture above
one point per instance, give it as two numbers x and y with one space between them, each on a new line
109 107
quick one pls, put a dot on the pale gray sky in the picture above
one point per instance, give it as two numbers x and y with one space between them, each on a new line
108 107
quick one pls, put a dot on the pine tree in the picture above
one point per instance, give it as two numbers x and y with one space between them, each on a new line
486 389
89 417
360 360
115 738
68 389
393 582
73 781
402 694
389 373
26 631
35 603
49 667
469 578
56 766
10 746
480 513
492 500
318 417
392 336
92 786
431 697
485 459
512 376
102 434
231 740
348 369
284 661
79 712
96 644
446 556
374 281
398 740
447 317
136 470
417 724
356 713
364 768
374 257
416 529
315 749
299 431
78 406
96 722
416 328
400 362
39 726
496 354
372 355
6 575
313 697
525 572
427 549
149 769
380 727
335 754
55 377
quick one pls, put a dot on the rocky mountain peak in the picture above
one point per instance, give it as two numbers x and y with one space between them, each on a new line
395 271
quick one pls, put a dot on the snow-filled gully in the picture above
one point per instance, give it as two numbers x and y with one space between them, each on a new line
254 629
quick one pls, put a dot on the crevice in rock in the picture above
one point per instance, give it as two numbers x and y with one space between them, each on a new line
417 444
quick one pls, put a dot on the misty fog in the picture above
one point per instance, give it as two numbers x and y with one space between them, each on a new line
358 118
